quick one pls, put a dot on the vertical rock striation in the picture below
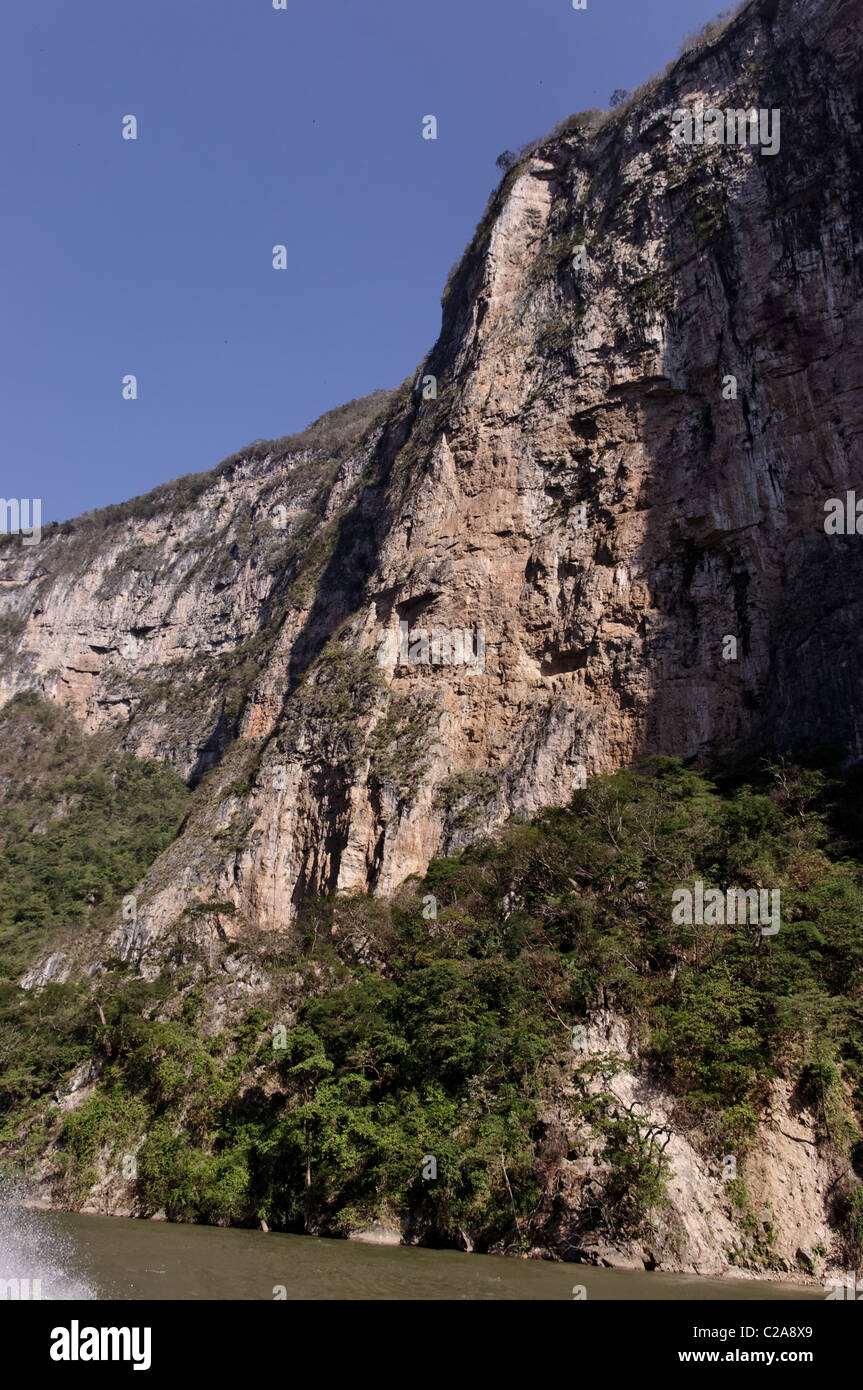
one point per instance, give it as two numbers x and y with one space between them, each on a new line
582 490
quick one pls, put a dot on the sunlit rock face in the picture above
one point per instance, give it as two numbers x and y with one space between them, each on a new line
610 474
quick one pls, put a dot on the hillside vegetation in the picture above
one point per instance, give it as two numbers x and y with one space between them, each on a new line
439 1024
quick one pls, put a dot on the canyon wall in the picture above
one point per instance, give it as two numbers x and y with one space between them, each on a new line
571 475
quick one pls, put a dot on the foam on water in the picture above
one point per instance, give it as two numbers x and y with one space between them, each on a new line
30 1251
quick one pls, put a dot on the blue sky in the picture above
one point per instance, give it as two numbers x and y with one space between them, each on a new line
255 127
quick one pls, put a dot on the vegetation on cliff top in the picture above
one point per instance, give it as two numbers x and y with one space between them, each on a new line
330 437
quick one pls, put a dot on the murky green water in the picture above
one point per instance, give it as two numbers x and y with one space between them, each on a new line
112 1257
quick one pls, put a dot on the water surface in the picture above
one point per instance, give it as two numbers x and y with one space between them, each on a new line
103 1257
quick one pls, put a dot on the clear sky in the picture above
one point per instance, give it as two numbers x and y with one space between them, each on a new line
256 126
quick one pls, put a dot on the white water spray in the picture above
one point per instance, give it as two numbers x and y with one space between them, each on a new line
36 1261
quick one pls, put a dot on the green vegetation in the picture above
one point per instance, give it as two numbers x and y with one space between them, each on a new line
712 30
78 829
400 741
78 865
331 436
709 220
411 1034
555 336
466 797
339 691
557 254
650 297
582 121
11 626
339 697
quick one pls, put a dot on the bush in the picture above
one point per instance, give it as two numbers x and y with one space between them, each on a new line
447 1036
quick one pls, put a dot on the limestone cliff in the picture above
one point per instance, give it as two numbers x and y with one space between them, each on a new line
570 481
559 385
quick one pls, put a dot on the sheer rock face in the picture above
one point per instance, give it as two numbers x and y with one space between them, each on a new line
250 644
791 1179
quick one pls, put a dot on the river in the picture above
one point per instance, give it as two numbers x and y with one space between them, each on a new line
106 1257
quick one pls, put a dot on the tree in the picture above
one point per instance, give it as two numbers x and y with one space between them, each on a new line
618 97
506 161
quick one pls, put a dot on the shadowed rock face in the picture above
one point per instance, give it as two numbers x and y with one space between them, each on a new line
585 490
